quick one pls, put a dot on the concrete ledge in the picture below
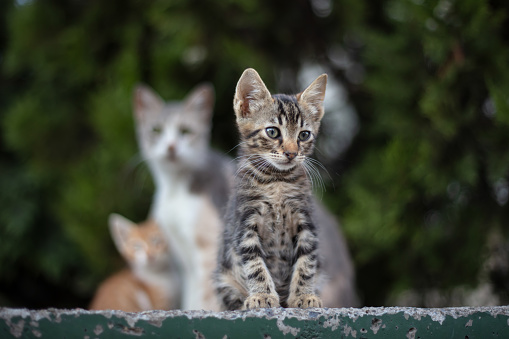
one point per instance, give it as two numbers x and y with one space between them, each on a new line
390 322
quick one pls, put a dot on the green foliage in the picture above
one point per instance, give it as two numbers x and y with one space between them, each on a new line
421 197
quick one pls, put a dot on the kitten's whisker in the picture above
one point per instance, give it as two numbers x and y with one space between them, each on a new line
250 164
316 174
245 162
249 156
242 165
316 177
314 161
248 159
135 167
265 164
309 176
234 147
319 151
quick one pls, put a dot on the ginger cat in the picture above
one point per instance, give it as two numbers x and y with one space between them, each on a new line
148 283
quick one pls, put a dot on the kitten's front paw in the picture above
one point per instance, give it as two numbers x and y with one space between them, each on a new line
305 301
261 300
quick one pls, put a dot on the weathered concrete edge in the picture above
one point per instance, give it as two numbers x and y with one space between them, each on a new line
157 317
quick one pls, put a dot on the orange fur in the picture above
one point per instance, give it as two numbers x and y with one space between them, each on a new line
148 284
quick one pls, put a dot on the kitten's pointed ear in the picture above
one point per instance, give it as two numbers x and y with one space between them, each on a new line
146 101
201 100
120 228
313 96
250 94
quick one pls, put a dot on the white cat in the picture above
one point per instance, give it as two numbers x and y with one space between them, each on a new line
192 184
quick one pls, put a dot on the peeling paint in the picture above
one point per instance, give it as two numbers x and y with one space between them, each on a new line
37 333
198 335
131 321
157 322
137 331
417 316
98 330
375 325
347 330
16 329
333 323
285 329
411 333
469 323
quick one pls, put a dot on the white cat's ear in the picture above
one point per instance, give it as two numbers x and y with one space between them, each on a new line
313 96
120 228
250 94
146 101
201 100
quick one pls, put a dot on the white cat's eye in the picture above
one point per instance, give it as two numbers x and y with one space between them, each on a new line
185 130
304 135
157 129
273 132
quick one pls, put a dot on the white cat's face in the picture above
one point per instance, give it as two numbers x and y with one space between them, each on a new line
174 136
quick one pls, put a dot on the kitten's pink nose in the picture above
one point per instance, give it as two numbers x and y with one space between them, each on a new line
290 155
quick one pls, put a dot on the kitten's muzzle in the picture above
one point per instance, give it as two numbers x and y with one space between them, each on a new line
290 155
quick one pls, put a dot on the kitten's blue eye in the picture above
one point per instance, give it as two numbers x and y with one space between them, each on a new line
304 135
157 130
273 132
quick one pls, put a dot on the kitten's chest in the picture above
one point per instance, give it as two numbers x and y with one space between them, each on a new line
280 209
281 215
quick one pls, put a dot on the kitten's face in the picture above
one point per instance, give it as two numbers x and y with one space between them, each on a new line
142 245
280 129
174 135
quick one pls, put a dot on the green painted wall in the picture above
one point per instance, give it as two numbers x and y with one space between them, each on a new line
392 322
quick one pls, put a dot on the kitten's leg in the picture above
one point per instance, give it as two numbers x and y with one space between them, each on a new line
302 285
230 297
261 287
230 291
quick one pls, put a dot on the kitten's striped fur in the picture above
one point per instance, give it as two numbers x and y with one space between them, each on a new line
269 255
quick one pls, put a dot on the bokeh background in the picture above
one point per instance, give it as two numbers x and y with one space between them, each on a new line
415 139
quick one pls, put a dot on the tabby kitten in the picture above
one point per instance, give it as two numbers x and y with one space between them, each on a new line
148 283
269 255
192 183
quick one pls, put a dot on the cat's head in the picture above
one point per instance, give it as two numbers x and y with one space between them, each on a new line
174 135
281 129
142 245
